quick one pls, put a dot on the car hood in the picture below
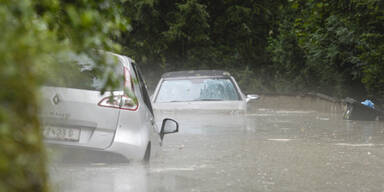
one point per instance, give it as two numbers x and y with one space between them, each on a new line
194 116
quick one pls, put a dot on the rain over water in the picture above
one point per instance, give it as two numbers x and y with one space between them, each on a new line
288 144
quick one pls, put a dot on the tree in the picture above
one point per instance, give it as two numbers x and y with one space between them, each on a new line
195 34
33 34
338 44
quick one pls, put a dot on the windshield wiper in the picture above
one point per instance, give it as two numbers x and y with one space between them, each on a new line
173 101
203 99
209 99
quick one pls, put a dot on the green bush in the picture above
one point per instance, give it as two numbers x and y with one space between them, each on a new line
333 47
33 34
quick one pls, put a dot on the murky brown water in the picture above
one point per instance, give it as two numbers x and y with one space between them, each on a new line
289 144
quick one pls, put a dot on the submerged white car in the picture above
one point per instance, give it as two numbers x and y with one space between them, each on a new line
75 114
201 97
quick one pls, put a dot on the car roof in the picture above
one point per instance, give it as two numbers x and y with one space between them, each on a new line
124 60
196 74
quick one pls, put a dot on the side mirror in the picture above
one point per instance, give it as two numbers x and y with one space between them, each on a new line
168 126
251 97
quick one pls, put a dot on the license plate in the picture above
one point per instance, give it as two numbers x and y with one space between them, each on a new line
59 133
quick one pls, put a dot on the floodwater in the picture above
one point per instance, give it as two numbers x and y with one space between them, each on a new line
289 144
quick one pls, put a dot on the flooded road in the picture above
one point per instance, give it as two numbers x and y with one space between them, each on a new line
303 146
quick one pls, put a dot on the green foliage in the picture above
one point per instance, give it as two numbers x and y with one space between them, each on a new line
83 28
24 42
195 34
334 47
370 19
34 34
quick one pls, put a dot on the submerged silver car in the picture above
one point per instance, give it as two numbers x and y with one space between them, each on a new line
204 94
75 114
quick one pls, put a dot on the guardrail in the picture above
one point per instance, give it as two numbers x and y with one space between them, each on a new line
308 101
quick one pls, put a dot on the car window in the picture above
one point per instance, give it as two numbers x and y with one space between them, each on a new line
197 90
81 72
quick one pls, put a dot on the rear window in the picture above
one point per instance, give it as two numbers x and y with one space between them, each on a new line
210 89
81 72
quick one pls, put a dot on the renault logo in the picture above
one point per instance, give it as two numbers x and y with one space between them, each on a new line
56 99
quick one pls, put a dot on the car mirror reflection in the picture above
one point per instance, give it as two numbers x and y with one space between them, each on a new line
169 126
252 97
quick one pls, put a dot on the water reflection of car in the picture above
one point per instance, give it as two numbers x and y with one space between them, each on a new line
201 92
75 114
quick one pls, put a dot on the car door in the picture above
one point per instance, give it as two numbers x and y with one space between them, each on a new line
155 130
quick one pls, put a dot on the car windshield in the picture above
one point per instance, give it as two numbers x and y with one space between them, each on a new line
208 89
